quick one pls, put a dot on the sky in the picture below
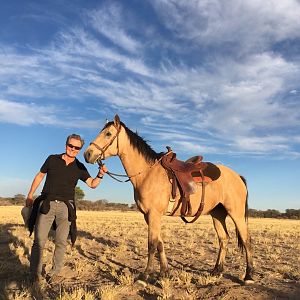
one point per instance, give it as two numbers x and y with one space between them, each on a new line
213 78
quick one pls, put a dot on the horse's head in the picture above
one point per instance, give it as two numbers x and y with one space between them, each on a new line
106 144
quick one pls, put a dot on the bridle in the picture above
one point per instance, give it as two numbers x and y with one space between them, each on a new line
102 154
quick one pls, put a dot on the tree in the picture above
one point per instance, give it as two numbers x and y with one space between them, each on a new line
19 199
133 206
271 213
79 193
292 213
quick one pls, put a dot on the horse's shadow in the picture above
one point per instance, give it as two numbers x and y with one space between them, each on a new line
154 280
100 240
104 242
15 273
175 264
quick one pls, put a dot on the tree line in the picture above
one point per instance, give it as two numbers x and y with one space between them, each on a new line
273 213
103 204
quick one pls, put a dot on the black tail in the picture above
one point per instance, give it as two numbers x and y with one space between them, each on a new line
240 243
246 203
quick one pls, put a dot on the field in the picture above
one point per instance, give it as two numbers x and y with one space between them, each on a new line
111 251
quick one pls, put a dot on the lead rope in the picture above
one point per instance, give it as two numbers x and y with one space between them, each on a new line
114 175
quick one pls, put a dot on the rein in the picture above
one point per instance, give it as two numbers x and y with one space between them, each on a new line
114 175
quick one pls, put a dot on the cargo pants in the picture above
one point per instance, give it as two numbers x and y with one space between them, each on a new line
58 212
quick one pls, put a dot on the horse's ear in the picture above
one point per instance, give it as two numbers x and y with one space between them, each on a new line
117 121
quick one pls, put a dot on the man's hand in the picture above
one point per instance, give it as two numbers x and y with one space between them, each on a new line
35 183
29 202
94 182
102 170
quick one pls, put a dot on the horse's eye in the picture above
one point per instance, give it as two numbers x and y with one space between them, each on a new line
108 134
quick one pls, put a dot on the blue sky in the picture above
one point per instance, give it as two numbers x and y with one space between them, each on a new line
215 78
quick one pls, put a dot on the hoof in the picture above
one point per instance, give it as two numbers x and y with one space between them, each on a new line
249 278
163 275
141 283
248 281
143 277
216 273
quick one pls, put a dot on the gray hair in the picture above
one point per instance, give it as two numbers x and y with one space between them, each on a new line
76 137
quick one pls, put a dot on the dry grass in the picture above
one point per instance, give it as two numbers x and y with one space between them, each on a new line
111 251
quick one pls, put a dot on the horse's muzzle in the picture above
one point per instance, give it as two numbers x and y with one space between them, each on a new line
90 156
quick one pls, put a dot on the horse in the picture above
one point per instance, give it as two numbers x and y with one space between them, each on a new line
228 195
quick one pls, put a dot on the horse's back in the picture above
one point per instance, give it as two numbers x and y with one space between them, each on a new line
229 190
231 180
234 188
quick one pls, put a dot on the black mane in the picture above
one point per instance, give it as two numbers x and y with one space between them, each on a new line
139 143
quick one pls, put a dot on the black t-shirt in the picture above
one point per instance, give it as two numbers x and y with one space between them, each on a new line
61 179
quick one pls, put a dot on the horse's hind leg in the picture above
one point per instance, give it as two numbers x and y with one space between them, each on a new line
219 215
155 242
244 240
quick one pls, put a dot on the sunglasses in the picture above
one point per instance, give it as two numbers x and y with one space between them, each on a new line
73 147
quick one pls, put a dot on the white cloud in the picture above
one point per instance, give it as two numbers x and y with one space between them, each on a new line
239 99
26 114
82 45
193 148
109 21
249 24
262 144
246 95
29 114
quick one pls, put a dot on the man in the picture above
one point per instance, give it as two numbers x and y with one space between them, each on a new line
56 203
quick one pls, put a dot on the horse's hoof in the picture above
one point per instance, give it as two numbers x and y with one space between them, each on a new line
216 273
165 274
143 277
248 281
141 283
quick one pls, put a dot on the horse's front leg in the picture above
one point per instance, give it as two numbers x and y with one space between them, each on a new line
155 242
164 269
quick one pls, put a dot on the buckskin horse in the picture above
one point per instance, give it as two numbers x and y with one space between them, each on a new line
224 196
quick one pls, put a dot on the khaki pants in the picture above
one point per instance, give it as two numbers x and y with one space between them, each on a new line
58 212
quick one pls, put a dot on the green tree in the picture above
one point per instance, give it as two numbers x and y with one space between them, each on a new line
271 213
79 193
292 213
19 199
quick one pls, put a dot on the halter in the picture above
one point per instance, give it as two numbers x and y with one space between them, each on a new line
102 155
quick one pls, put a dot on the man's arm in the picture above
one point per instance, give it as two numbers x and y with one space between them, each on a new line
94 182
35 184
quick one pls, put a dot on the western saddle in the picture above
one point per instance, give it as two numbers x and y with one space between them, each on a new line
184 175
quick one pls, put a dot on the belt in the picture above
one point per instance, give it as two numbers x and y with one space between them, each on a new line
60 201
57 201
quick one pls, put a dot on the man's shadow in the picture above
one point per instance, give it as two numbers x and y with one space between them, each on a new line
13 273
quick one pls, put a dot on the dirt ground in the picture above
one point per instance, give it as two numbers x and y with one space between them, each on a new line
111 252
